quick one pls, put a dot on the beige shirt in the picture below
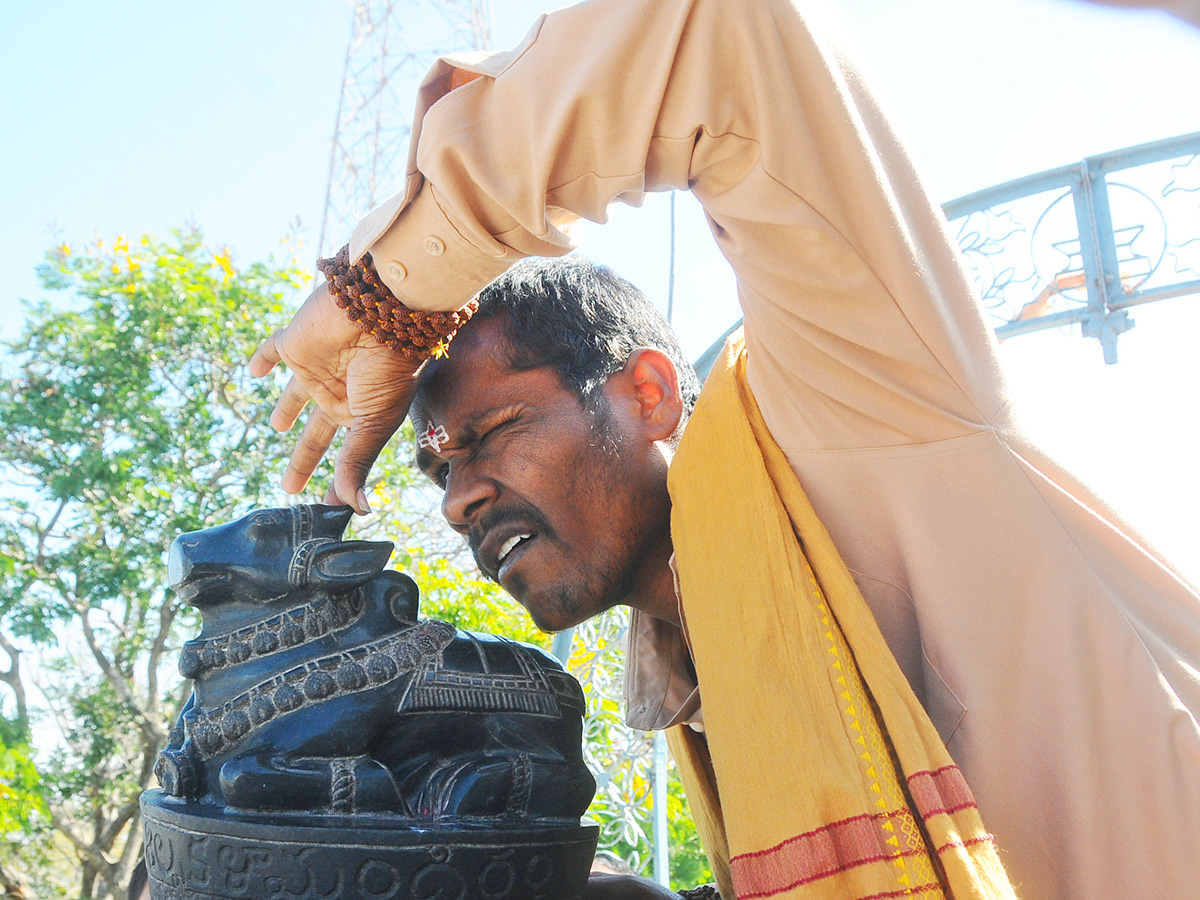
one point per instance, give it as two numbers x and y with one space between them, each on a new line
1058 657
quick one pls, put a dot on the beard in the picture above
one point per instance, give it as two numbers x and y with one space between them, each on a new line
569 585
591 562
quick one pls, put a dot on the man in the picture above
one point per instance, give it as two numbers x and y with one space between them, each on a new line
1056 656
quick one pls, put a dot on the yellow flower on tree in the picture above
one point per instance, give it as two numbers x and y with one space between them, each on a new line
225 262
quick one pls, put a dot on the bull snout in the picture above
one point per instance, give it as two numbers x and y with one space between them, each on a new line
194 579
179 565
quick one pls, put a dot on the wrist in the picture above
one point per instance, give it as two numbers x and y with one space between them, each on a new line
371 306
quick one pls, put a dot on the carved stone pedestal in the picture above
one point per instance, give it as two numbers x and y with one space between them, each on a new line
198 853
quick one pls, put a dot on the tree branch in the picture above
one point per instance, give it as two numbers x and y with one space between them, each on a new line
13 677
108 834
40 556
85 848
118 682
181 699
166 618
12 886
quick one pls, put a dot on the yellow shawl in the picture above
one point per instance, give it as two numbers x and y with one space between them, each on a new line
807 716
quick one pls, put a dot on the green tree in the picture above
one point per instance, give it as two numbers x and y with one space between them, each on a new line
128 419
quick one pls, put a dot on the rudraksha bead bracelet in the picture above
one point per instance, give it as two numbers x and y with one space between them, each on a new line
413 333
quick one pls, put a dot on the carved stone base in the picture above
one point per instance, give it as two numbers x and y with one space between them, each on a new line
198 854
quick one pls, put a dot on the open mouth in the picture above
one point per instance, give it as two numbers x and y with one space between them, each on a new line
194 586
511 550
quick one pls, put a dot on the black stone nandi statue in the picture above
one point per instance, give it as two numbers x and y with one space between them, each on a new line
336 747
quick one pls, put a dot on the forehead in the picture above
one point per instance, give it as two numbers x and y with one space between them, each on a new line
476 371
466 392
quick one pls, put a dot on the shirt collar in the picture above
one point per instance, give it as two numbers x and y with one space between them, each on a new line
660 680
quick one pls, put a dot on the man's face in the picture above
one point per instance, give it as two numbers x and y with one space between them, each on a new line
566 507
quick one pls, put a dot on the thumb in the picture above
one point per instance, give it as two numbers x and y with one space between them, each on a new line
363 442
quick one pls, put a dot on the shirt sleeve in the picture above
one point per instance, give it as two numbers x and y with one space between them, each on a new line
860 324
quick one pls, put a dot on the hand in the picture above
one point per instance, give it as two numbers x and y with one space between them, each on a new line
626 887
354 381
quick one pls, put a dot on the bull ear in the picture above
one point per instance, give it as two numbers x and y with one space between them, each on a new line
348 564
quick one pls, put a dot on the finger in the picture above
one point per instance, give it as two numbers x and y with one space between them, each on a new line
331 498
265 358
289 405
363 443
318 433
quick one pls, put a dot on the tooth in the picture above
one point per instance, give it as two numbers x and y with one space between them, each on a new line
508 545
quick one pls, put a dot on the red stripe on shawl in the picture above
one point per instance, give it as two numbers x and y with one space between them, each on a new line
942 791
907 892
960 845
819 854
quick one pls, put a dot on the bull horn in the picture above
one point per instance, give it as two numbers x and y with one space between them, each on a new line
348 564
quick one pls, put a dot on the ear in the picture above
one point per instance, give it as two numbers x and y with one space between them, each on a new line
650 383
349 564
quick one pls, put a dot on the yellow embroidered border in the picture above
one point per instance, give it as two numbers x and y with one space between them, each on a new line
875 760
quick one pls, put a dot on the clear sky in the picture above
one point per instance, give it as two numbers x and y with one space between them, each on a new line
130 117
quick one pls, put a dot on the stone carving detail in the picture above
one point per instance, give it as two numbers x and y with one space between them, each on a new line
363 668
296 626
321 706
262 862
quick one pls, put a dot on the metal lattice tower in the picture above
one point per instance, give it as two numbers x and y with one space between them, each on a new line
392 45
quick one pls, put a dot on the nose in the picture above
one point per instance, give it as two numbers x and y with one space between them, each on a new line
467 495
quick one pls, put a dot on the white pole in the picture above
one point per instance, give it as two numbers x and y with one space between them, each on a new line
662 864
560 645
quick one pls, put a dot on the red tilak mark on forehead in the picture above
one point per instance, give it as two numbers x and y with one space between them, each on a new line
433 437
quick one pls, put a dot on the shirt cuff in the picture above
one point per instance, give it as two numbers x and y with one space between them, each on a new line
422 257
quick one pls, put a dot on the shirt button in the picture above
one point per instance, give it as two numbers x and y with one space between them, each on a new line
395 271
434 245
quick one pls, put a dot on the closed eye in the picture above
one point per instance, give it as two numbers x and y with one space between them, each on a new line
438 470
498 427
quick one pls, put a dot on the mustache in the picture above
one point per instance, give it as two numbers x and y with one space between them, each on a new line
520 513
